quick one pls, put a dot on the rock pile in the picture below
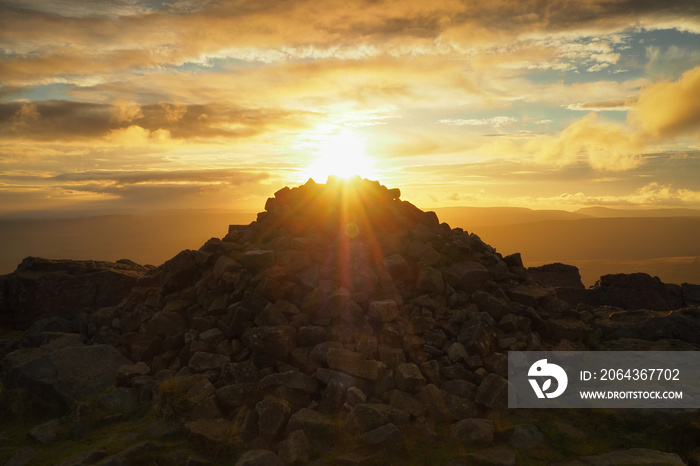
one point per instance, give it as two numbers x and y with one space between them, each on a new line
342 310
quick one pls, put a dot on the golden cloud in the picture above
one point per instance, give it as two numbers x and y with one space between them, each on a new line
670 108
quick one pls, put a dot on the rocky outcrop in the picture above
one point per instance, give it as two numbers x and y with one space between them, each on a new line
42 287
625 291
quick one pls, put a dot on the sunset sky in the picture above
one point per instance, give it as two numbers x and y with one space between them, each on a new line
124 105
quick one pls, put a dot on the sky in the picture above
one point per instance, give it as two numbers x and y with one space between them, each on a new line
125 106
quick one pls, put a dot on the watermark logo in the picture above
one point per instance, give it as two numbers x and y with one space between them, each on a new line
541 369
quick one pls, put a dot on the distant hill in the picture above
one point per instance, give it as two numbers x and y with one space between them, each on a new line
472 217
146 239
607 212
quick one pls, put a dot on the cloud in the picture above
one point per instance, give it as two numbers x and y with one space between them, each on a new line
496 121
614 105
670 108
63 120
221 176
606 147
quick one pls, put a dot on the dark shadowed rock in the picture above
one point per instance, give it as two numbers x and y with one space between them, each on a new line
43 287
473 431
259 458
67 375
557 275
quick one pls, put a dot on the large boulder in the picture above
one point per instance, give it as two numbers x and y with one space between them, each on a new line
65 375
43 287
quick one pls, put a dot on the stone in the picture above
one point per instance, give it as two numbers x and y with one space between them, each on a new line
236 395
384 310
352 363
386 435
258 260
368 416
295 449
276 341
477 333
209 432
408 378
480 431
470 275
130 455
66 375
290 379
46 432
43 287
407 402
430 280
202 361
526 437
212 337
557 275
494 456
332 398
128 371
493 306
273 414
84 457
313 423
121 399
259 458
493 392
23 456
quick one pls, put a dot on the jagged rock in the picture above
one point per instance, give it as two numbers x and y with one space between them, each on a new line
352 363
388 434
495 456
312 422
407 402
42 287
276 341
259 458
383 311
129 455
493 392
681 325
120 399
85 457
557 275
209 432
202 362
23 456
295 449
66 375
470 275
368 416
273 414
409 378
473 431
46 432
526 437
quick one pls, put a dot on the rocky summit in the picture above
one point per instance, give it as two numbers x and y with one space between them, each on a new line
343 325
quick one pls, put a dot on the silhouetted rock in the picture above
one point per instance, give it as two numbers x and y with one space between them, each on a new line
557 275
63 288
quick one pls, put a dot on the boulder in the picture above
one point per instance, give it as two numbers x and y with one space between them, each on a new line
66 375
43 287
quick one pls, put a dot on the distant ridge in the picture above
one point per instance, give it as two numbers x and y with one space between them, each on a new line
607 212
475 217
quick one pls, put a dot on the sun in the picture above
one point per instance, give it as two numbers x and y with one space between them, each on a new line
343 154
